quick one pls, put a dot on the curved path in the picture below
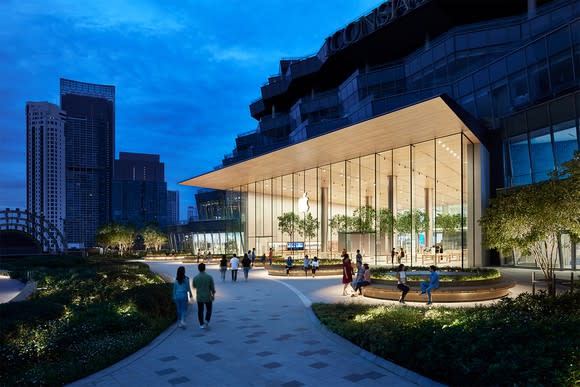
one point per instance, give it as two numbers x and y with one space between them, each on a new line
262 333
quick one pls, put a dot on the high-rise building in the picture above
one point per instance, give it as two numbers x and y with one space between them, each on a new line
90 151
139 190
191 213
45 163
172 207
418 112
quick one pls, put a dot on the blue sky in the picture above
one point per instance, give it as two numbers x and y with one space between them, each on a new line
185 71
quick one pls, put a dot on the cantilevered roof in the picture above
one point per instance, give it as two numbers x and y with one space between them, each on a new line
433 118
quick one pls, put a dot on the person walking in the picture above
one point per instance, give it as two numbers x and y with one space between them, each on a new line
270 256
427 287
306 265
181 294
346 273
223 267
246 263
234 265
401 255
358 257
393 255
402 283
204 295
315 265
253 256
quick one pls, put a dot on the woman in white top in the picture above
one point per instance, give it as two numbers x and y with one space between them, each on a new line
234 265
402 283
315 265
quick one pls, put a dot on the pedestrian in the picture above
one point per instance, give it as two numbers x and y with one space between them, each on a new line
181 294
270 255
427 287
289 264
360 271
204 294
366 279
246 263
223 267
263 259
358 257
401 255
402 283
346 273
306 265
234 265
253 256
343 253
393 255
315 265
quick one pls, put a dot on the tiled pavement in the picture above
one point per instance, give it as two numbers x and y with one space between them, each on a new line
262 333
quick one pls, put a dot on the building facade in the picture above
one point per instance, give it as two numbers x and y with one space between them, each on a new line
45 165
139 190
90 145
398 143
172 207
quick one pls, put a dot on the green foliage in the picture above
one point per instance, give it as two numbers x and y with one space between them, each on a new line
84 317
153 239
339 223
363 219
448 223
288 223
117 236
532 218
307 226
386 221
475 274
530 340
405 220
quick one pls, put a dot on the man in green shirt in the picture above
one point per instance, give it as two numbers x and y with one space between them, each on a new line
205 293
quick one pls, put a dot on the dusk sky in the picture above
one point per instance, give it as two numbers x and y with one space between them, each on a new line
185 72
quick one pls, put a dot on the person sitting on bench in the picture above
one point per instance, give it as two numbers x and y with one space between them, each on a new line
433 283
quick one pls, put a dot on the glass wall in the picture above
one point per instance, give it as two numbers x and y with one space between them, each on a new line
414 199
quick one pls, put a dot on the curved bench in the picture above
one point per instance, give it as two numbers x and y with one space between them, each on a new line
298 270
452 291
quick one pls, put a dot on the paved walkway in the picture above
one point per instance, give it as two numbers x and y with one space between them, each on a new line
263 333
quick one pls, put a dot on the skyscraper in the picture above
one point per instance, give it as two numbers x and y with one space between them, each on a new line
139 190
172 207
90 151
45 163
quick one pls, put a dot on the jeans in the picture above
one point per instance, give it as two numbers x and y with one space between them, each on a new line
234 275
246 271
426 288
181 304
200 307
223 273
360 285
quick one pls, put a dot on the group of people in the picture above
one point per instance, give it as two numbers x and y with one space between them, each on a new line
362 278
246 263
426 286
309 265
204 294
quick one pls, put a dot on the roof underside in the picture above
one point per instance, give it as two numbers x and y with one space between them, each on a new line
425 121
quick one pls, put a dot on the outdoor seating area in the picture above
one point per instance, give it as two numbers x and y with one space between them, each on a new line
298 271
452 291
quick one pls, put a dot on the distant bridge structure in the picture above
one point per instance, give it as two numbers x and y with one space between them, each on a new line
23 232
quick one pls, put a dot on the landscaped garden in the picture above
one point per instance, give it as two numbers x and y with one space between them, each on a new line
87 314
530 340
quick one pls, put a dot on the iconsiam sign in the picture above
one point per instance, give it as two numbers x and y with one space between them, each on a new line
366 25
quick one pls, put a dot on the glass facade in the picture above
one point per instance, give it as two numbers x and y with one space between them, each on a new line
414 198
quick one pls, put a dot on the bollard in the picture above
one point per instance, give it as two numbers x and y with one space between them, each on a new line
533 283
554 284
571 282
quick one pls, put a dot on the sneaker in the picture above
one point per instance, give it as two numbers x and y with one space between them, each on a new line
402 302
206 324
429 303
180 325
202 327
353 295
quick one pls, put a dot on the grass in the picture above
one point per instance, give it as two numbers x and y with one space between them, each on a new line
87 315
530 340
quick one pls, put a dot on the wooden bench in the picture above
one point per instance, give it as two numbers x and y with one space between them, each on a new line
298 270
452 291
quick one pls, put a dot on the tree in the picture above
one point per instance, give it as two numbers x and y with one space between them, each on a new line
117 236
308 226
386 221
153 238
448 223
363 219
405 221
532 218
288 222
339 223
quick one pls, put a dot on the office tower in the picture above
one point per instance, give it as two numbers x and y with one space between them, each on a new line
172 207
190 213
139 190
45 163
90 145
